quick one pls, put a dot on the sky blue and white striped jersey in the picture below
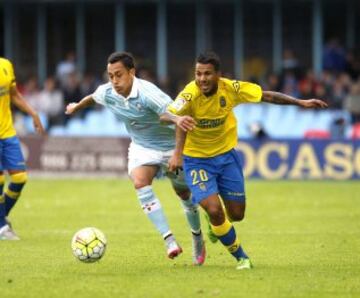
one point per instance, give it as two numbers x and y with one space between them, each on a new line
140 112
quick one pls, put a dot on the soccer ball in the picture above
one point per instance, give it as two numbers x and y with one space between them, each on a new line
88 245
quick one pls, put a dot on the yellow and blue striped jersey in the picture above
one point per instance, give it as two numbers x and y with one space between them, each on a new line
7 81
215 131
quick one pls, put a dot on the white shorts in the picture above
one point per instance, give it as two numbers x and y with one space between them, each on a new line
140 156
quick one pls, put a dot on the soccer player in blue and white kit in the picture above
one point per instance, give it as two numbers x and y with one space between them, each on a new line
139 104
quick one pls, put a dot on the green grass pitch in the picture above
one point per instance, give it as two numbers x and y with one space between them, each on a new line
303 238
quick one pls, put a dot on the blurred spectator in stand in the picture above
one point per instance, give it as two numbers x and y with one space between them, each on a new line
290 84
290 63
65 68
272 82
71 91
307 85
88 84
327 79
353 64
51 101
145 74
337 97
352 102
334 56
31 93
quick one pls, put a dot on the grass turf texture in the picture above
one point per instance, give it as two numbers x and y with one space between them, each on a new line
303 238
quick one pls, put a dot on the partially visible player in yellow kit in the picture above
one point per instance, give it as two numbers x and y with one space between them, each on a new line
11 158
207 136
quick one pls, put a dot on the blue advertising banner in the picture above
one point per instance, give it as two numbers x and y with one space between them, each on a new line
300 159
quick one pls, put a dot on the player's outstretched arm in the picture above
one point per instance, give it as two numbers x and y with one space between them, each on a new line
73 107
175 161
283 99
18 100
186 122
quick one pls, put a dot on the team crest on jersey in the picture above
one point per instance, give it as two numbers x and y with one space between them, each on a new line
139 106
202 186
236 86
186 96
178 104
222 102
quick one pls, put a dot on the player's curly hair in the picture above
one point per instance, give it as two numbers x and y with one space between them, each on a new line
125 58
209 57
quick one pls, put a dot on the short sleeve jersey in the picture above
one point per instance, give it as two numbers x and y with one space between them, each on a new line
140 113
7 81
215 132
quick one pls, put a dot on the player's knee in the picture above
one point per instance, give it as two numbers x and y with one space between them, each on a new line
216 214
183 194
140 183
237 215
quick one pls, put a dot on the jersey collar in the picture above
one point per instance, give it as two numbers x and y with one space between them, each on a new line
134 89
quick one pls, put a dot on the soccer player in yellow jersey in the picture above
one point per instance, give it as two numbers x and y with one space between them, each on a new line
206 137
11 158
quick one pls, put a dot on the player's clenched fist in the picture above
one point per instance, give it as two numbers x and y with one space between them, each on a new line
70 108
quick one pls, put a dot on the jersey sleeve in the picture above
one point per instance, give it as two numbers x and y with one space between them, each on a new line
247 92
157 100
99 94
182 104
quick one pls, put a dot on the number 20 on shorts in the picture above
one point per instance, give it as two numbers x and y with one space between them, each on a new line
198 176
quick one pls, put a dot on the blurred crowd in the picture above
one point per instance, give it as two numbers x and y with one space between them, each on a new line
338 84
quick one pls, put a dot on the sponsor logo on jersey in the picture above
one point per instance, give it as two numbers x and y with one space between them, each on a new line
210 123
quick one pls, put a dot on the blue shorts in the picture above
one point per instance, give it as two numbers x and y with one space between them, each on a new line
11 157
220 174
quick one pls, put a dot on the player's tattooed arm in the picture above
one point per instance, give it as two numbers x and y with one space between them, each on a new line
73 107
283 99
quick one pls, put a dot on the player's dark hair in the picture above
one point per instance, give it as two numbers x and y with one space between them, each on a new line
125 58
209 58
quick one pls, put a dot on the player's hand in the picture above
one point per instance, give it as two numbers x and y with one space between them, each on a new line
313 104
175 163
38 125
70 108
186 123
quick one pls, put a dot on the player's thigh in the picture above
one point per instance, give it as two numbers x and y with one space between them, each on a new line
12 158
143 175
200 176
139 156
231 186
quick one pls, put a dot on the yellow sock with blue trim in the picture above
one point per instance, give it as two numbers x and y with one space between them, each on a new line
227 236
2 201
12 193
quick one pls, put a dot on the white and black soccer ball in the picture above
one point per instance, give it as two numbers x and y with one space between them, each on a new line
88 245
